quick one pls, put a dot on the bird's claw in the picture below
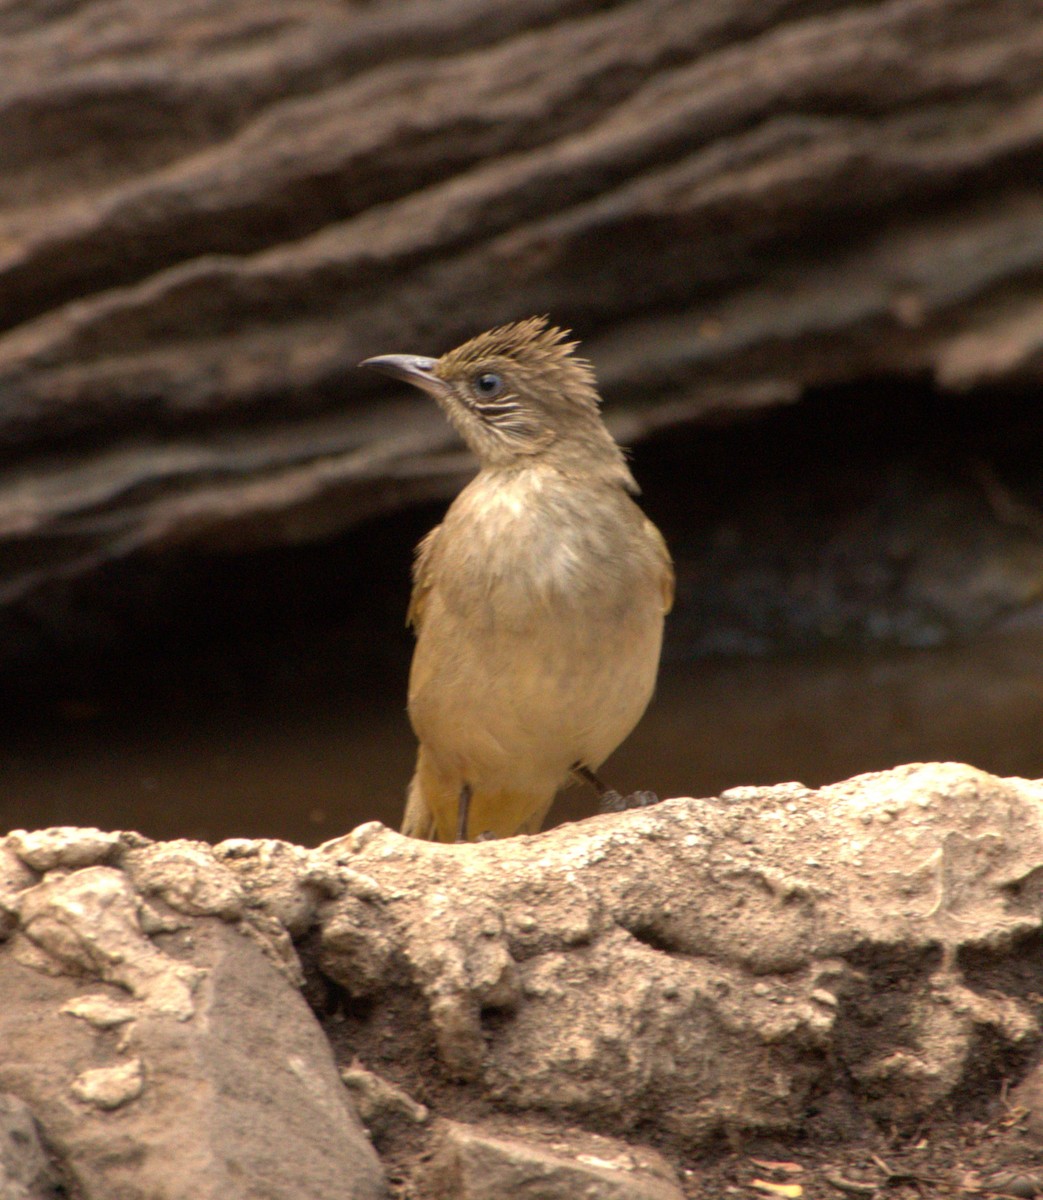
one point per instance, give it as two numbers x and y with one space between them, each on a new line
612 802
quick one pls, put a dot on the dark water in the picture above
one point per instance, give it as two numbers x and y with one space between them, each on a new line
305 765
263 693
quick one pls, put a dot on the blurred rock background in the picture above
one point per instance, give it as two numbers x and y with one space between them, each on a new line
801 241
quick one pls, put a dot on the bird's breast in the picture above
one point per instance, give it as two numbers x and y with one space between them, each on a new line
541 634
526 551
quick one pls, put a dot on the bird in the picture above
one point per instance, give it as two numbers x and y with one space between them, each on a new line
538 603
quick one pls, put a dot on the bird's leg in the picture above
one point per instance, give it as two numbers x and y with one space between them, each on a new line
586 775
463 811
609 800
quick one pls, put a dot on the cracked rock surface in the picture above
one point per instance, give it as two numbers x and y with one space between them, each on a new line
155 1038
774 962
473 1164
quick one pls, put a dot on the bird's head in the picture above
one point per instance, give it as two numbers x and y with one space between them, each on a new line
514 392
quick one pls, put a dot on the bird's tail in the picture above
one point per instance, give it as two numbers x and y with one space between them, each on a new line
418 820
432 806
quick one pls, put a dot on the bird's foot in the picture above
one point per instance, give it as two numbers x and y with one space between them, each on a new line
610 801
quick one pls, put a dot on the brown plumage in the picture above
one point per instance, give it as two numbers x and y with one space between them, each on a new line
538 603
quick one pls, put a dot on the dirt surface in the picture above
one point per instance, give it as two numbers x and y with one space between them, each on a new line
988 1144
947 1158
991 1155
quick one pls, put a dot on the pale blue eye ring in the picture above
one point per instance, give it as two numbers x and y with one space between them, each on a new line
488 384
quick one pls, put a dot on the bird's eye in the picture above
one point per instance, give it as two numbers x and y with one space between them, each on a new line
488 384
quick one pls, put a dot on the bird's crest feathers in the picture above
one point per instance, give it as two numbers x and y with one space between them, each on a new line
533 343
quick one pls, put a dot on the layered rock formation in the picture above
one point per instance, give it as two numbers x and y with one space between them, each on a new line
210 211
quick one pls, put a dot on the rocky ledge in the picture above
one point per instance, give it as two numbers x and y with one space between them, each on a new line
595 1011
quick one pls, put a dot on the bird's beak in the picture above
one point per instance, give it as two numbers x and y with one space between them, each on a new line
412 368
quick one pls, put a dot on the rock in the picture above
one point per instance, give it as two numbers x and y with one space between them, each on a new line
191 878
283 881
711 965
379 1103
88 924
110 1087
66 847
773 961
187 876
471 1163
100 1010
26 1172
15 877
190 1069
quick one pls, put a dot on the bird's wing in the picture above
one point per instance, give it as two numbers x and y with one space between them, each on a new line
423 574
666 578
